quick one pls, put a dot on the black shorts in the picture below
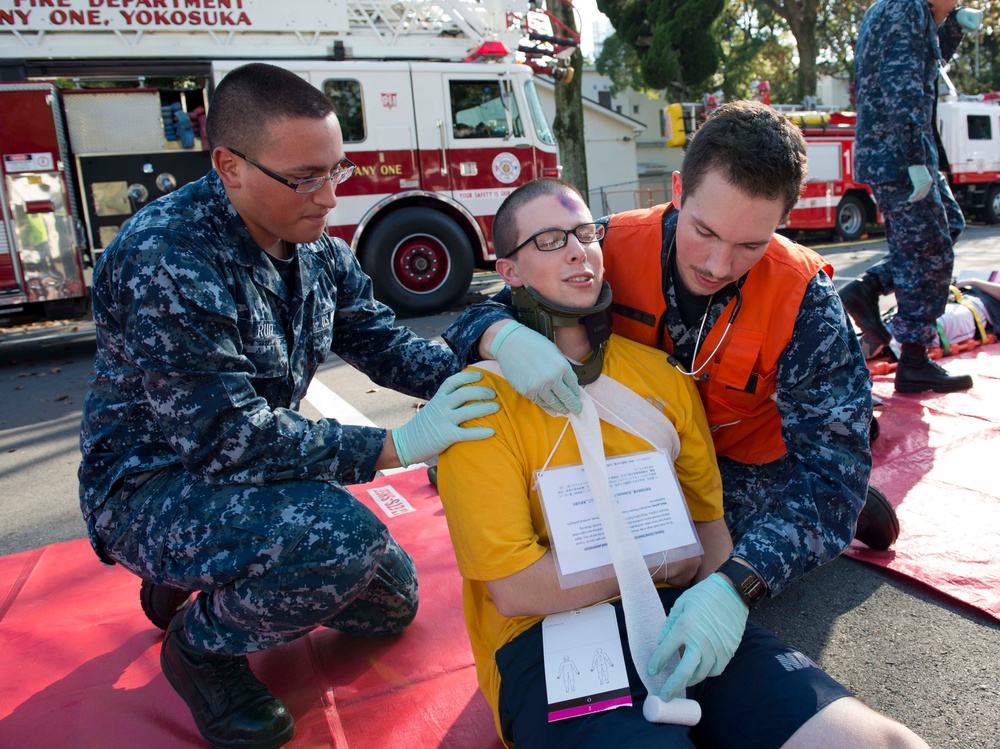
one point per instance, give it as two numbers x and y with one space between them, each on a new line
766 693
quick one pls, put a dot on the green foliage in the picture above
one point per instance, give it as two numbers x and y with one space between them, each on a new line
676 41
619 62
963 69
672 43
753 50
801 16
837 32
568 125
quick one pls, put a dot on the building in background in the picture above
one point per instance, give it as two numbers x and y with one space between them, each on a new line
610 140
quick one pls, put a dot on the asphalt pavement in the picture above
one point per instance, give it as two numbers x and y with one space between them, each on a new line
906 650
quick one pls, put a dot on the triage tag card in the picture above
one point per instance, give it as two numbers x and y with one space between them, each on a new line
648 494
584 663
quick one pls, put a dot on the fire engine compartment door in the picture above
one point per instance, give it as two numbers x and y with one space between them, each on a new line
485 147
824 162
43 236
38 254
115 186
123 157
9 271
826 167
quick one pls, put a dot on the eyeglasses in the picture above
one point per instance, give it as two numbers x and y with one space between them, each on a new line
345 168
551 240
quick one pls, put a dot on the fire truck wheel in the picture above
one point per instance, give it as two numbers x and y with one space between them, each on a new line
992 212
851 218
420 261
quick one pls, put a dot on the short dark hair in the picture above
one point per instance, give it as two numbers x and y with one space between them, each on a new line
757 149
505 230
251 98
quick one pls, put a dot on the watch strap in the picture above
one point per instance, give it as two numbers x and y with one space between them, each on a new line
747 582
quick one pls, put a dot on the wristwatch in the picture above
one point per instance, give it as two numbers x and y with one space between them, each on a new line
749 585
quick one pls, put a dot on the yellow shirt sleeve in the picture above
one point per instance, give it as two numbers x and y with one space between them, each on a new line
485 490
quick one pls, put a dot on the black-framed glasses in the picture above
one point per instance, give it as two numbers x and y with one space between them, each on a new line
551 240
345 168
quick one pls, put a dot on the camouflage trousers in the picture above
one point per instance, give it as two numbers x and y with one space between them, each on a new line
271 561
921 255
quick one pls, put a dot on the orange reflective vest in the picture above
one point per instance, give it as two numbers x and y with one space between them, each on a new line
742 376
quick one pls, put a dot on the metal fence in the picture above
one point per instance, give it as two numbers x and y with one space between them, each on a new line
626 196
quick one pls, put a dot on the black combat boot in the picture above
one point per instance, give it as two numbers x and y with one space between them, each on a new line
230 707
160 603
860 298
878 526
916 373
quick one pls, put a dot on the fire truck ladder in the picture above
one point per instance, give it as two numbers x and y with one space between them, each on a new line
358 29
456 25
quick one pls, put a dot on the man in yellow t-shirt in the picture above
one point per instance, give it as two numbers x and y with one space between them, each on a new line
760 691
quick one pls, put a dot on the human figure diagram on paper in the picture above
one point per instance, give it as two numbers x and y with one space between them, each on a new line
602 662
568 673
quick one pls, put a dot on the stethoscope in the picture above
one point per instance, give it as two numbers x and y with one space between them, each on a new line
697 341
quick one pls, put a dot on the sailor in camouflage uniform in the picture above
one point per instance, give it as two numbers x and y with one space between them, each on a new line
214 307
898 152
789 514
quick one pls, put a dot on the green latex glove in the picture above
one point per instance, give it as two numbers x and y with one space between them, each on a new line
922 181
536 368
438 425
708 619
969 19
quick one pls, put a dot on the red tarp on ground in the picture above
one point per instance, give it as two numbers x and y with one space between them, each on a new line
80 663
934 460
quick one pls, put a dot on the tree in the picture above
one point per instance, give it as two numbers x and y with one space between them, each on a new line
837 31
568 124
972 70
975 68
801 17
753 50
619 62
676 41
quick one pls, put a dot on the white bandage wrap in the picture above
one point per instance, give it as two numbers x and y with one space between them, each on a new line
611 401
644 615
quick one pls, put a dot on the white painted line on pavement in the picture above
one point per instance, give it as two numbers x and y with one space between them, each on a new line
332 406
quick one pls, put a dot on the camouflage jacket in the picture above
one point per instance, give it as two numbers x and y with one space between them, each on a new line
203 354
896 64
793 514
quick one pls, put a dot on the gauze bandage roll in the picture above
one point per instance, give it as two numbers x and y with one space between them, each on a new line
679 711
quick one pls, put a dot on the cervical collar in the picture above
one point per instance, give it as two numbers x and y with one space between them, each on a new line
542 316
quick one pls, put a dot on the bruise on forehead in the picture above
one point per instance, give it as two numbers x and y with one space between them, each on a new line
570 200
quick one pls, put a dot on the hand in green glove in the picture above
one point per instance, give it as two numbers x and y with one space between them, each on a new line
969 18
922 181
708 620
536 368
438 425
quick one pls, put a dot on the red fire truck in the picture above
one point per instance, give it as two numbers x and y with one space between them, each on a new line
970 133
833 200
439 119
